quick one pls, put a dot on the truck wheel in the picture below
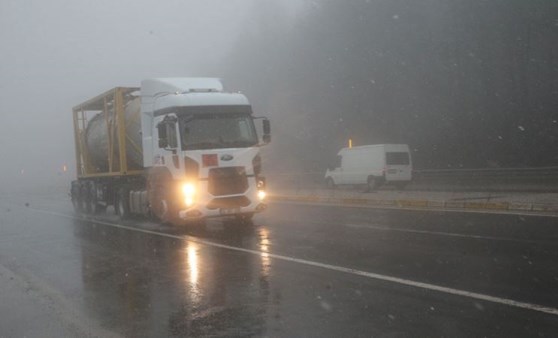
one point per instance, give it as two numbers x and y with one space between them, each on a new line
74 193
330 184
94 207
162 206
82 200
86 198
170 216
122 204
75 204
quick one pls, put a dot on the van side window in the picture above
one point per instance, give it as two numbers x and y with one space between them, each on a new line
337 163
397 158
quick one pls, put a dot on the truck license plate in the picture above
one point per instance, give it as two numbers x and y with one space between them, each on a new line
229 211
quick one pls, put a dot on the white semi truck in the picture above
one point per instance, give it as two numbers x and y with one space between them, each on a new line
176 149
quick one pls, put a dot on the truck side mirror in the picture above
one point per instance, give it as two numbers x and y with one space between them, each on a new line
266 131
162 131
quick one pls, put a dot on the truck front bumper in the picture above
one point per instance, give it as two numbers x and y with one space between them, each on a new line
208 211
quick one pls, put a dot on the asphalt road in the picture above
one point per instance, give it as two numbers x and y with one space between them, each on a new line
299 271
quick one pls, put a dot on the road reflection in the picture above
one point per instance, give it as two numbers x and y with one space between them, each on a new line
264 248
144 285
192 271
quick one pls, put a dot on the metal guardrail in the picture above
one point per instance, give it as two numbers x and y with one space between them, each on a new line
490 172
544 179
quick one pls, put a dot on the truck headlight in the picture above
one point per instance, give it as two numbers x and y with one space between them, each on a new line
189 192
261 195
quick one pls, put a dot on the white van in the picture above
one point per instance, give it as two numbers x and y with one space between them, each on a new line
371 165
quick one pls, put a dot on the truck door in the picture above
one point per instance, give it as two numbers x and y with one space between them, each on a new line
398 166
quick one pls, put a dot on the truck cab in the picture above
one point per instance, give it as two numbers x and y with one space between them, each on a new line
202 150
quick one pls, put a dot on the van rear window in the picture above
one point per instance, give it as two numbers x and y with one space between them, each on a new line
399 158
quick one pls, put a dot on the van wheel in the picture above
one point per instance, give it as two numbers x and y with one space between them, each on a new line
330 184
371 183
400 185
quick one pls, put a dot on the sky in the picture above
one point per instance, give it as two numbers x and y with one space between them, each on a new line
55 54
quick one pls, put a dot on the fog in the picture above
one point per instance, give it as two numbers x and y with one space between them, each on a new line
464 83
56 54
467 84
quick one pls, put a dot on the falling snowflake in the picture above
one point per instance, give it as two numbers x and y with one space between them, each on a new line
325 305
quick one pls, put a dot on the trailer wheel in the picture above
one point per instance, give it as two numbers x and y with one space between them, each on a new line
94 206
82 198
74 194
123 203
76 205
85 198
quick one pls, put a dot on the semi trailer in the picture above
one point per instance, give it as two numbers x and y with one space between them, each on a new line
175 149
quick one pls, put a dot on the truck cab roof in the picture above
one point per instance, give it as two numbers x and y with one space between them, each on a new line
165 93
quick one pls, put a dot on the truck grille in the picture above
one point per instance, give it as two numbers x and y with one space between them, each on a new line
227 181
229 202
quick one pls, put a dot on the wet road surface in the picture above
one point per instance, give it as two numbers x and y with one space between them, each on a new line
299 271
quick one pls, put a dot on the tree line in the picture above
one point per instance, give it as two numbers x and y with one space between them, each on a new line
466 83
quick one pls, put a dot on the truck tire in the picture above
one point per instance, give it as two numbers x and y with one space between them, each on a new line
76 204
74 194
83 197
123 203
330 184
94 206
163 207
86 198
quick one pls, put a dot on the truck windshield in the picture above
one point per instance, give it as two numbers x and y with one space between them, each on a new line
209 131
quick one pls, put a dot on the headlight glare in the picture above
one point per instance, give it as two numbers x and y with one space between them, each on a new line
189 191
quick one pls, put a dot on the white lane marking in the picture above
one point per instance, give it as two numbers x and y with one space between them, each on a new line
441 233
371 275
429 209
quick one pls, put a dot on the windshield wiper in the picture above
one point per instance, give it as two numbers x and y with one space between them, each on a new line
240 143
203 145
